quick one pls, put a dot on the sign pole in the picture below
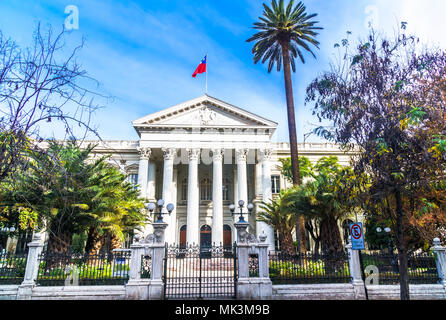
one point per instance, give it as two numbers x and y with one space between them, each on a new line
357 238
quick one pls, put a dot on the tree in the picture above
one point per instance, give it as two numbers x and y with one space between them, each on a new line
380 98
324 199
73 194
38 85
284 33
115 206
277 213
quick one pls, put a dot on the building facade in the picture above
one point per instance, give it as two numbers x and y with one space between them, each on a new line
203 155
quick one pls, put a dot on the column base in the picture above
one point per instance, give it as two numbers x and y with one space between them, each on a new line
25 291
156 290
359 289
254 289
137 289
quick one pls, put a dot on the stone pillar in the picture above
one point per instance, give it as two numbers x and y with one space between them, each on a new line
355 272
32 268
242 179
254 288
242 250
151 182
440 251
169 155
157 249
143 170
262 227
193 203
137 288
217 196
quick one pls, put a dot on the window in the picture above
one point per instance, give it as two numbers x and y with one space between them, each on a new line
275 184
206 189
133 178
184 189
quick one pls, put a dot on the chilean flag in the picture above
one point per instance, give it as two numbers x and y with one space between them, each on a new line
201 67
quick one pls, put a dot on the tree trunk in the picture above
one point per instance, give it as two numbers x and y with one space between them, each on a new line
115 243
402 251
286 244
332 247
93 242
293 137
60 242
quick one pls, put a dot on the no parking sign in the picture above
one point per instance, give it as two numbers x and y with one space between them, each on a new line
357 233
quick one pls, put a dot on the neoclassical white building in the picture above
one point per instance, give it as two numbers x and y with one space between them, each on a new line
202 155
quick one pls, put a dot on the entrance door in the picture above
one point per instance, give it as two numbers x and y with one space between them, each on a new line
206 236
227 241
227 236
183 230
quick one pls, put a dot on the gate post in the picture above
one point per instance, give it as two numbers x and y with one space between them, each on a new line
136 288
440 260
254 288
355 271
156 288
32 268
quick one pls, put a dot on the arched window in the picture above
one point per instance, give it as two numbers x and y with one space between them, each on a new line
184 189
206 189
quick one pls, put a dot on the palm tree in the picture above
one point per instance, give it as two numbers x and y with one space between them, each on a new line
284 32
277 214
115 207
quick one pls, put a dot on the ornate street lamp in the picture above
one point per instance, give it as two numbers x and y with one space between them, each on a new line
241 204
160 204
390 246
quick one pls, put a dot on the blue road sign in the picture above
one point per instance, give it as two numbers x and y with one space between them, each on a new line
357 236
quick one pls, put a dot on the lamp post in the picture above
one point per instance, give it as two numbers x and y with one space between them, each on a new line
241 204
160 204
390 246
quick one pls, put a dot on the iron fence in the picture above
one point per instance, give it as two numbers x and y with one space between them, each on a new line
194 271
146 266
57 269
422 268
309 268
12 267
253 263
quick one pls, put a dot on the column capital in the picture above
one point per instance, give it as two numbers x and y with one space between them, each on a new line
241 154
194 153
144 153
169 153
265 154
217 154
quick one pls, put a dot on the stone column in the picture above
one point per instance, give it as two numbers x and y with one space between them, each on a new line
217 196
355 272
193 204
242 179
441 260
157 249
264 281
169 155
151 181
143 170
32 268
262 227
136 288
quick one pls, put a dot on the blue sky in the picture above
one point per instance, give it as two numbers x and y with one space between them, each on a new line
143 53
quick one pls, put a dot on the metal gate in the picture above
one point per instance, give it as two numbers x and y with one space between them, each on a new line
200 271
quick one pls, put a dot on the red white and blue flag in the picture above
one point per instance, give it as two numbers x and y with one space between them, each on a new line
201 67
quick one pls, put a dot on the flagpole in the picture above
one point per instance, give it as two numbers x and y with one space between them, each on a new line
207 73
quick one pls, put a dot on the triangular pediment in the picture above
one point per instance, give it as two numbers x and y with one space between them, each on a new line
204 111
